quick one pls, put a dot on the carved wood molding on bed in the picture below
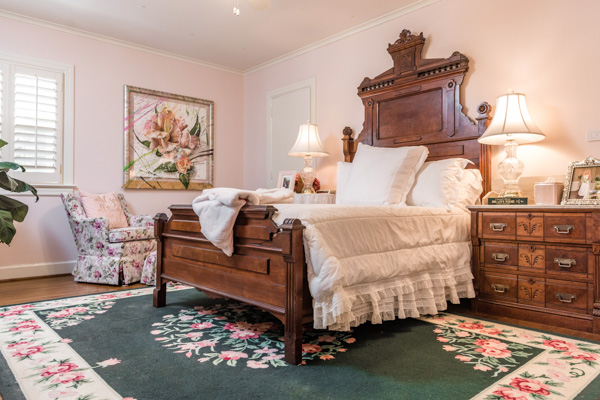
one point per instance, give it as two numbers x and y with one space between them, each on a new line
417 102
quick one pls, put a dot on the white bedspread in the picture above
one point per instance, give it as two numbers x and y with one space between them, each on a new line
380 263
218 208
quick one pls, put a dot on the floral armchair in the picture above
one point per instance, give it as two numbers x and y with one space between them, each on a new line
106 256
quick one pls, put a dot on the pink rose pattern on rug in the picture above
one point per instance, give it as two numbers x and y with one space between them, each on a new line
565 364
484 353
236 334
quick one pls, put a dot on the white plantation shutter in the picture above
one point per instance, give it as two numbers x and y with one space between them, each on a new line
37 123
2 118
36 141
36 119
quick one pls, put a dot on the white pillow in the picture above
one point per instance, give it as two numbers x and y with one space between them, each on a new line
435 183
343 172
469 188
382 176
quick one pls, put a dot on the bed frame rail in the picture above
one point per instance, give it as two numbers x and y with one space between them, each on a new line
266 270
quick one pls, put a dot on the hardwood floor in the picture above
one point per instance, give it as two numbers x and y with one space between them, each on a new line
54 287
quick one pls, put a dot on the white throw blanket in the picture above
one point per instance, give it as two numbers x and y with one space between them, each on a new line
218 209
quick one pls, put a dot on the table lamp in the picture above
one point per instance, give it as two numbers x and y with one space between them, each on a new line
512 125
308 145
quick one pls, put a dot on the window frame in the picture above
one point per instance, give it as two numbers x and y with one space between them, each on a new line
8 62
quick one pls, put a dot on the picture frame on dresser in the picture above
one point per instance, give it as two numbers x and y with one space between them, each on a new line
582 184
286 180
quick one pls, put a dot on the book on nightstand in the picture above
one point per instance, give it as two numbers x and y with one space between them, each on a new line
506 201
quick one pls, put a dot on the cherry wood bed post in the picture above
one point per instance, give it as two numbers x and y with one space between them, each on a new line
293 254
349 146
485 154
160 291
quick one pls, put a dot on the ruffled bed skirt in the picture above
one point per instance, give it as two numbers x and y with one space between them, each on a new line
404 297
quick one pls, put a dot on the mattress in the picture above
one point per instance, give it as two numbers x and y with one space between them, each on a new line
369 263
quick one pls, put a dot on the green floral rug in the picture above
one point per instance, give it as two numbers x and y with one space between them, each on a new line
116 345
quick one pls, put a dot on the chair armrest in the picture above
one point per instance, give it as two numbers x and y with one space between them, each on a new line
141 221
130 234
89 229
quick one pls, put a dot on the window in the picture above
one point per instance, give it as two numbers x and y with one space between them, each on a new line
36 120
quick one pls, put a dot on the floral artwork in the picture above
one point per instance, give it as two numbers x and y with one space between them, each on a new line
169 141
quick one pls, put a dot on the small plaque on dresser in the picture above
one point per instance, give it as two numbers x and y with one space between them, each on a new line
507 201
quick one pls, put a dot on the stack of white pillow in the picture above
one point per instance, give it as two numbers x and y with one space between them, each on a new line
400 176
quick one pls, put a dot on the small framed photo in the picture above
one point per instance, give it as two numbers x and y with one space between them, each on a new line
582 185
287 180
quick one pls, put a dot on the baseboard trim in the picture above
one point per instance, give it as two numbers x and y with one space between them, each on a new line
36 270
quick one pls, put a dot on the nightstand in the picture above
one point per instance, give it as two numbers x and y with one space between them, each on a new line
314 198
538 263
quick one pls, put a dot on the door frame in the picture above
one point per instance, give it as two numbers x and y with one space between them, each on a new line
311 84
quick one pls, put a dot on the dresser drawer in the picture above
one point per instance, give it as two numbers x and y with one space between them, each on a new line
564 228
566 259
498 286
498 225
532 256
567 296
500 254
530 226
532 290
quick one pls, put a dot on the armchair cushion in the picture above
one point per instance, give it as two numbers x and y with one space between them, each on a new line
105 205
130 233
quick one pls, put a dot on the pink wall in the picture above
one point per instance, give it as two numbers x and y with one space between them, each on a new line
101 70
546 49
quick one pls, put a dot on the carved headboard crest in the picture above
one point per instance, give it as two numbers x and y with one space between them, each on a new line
417 102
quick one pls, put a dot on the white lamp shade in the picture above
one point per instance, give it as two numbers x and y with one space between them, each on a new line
511 122
308 142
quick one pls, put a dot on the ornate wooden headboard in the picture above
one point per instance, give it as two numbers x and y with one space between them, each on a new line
417 102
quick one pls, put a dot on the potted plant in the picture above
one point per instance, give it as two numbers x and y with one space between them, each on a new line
11 210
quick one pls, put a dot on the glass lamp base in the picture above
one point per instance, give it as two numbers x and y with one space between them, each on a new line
510 170
308 175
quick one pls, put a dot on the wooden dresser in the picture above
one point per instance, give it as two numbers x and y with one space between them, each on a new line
538 263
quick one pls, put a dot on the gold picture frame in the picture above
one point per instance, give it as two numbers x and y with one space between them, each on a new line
582 184
169 141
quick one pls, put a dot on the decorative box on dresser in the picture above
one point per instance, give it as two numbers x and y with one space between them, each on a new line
538 263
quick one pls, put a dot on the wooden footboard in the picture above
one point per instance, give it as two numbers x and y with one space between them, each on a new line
266 270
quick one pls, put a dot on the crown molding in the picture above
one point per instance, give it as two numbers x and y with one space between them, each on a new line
339 36
417 5
107 39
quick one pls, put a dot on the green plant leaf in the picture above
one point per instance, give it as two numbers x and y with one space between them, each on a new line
6 165
7 228
166 167
2 143
15 185
17 210
143 142
196 129
185 179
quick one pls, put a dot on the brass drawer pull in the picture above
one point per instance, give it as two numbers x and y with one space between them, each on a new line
563 229
565 298
498 226
565 262
501 257
499 288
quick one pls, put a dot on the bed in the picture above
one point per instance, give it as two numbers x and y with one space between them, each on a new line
416 102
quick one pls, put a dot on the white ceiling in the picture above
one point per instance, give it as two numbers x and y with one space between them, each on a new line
207 30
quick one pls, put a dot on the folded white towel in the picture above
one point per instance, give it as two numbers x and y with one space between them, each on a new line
218 209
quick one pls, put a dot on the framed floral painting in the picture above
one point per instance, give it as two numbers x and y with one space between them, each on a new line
169 141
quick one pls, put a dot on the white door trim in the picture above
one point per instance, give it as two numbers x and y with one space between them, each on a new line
311 84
